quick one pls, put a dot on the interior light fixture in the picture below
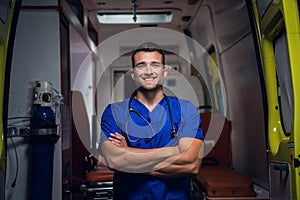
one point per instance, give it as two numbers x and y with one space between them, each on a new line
141 18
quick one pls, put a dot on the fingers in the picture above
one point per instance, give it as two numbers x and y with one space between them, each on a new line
117 139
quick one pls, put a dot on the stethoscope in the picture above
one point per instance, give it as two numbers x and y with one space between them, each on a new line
173 132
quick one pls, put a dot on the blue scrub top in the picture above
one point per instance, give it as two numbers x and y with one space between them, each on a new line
145 130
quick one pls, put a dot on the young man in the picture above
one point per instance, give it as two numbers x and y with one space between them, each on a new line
153 142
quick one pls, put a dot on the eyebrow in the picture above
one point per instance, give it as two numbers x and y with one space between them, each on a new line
143 62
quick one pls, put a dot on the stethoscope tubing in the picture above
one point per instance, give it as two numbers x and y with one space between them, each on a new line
173 131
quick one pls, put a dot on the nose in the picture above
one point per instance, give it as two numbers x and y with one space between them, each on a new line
149 69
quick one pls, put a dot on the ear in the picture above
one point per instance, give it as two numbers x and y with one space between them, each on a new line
132 74
165 72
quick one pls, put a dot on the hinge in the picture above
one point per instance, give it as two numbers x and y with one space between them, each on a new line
296 162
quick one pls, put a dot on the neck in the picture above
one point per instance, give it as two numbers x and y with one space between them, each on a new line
150 98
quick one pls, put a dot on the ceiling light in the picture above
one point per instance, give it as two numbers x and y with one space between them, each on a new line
141 18
168 1
102 3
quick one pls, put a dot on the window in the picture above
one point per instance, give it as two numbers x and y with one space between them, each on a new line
284 82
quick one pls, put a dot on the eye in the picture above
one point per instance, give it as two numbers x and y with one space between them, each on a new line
141 66
156 65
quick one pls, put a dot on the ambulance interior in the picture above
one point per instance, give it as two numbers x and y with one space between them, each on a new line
212 54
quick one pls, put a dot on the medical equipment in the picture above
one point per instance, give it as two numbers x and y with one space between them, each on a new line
42 139
173 132
43 116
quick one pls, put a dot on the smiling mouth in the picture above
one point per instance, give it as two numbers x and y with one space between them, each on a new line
148 79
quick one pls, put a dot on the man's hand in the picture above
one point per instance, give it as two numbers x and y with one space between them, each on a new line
118 140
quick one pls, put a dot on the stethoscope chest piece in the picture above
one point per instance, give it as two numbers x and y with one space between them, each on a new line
174 133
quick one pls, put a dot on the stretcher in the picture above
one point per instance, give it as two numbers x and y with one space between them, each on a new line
217 180
98 184
224 182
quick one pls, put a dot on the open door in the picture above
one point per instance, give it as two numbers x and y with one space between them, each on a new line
277 24
9 12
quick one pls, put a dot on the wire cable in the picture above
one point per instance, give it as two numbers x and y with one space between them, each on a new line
13 184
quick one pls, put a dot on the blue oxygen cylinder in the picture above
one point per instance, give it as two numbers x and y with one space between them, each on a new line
42 117
42 139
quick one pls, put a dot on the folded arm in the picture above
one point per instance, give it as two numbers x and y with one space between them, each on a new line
127 159
181 160
188 163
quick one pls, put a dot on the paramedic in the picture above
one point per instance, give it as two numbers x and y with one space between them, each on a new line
153 142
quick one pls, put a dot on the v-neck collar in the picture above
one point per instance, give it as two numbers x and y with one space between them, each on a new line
142 106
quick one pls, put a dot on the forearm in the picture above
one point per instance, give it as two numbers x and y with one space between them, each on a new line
181 160
187 163
178 169
135 160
